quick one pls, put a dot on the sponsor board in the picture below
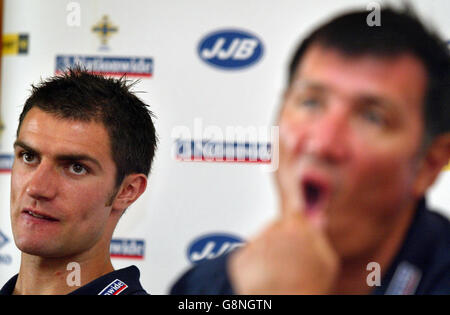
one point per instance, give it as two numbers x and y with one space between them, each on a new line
211 246
15 44
230 49
6 162
223 151
2 125
3 239
5 259
127 248
107 65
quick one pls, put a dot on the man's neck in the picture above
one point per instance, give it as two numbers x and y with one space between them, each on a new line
55 276
354 274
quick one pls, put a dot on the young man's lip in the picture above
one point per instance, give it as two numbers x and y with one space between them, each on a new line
38 214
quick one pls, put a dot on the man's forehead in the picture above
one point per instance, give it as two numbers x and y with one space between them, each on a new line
402 77
49 132
320 57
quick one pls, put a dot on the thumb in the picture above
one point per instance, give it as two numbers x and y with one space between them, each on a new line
294 208
318 220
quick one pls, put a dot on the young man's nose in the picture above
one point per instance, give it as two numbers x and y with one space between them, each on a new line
42 183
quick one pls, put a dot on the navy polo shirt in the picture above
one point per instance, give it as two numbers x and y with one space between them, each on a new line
421 266
123 281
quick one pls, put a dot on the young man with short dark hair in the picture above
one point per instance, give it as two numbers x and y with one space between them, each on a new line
84 149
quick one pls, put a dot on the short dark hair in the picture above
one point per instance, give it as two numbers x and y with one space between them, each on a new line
83 96
400 31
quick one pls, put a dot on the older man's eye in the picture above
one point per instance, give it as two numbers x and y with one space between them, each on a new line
373 117
311 103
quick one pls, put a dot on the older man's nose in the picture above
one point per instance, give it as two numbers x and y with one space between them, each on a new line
328 137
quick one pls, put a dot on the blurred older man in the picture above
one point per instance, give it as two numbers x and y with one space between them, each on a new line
364 132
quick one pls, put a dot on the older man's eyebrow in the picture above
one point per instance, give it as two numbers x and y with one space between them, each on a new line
303 84
375 100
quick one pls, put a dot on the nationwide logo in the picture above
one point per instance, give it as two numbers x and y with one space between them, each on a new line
211 246
15 44
230 49
6 162
127 248
114 288
104 29
223 151
112 66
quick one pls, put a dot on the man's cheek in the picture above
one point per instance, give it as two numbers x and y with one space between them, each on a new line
15 191
87 222
86 214
380 182
291 135
93 209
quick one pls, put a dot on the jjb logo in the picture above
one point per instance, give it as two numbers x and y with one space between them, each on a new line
230 49
212 246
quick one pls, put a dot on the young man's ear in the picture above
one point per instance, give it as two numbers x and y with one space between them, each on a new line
435 159
132 187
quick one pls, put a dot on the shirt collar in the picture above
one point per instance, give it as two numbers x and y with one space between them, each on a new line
123 281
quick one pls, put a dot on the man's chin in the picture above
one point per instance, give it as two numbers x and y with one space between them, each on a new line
44 249
348 244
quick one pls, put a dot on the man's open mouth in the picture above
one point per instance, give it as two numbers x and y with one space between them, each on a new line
38 215
315 194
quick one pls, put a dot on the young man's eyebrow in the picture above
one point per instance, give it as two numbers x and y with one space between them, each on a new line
23 145
60 157
78 157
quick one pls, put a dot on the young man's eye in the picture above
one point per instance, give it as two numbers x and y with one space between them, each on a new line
77 169
28 158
